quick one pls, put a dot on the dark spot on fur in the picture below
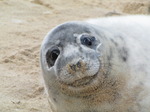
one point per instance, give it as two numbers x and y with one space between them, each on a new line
124 59
109 58
55 100
80 49
115 43
123 54
110 55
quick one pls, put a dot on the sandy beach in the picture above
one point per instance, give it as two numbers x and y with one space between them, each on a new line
23 25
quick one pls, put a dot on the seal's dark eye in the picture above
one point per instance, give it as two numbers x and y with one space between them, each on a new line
51 56
54 54
87 40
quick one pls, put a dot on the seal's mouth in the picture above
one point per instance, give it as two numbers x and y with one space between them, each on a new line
83 81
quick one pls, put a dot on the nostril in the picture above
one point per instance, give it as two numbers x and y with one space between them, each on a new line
73 67
78 64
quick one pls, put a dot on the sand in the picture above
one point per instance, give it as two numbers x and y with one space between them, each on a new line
23 25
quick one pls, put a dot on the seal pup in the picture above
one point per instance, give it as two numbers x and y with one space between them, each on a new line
98 65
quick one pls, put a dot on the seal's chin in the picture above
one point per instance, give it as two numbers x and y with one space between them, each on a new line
85 81
81 87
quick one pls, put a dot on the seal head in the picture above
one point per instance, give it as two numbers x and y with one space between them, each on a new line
71 52
98 66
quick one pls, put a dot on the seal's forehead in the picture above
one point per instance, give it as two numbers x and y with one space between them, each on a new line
65 32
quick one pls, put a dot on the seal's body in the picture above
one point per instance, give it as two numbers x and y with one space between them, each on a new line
100 65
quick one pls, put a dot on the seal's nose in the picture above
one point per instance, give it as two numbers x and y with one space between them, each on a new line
80 66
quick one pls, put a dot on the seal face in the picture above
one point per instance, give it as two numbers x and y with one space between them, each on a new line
92 66
73 55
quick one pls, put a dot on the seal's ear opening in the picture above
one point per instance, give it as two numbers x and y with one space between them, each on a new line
51 56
